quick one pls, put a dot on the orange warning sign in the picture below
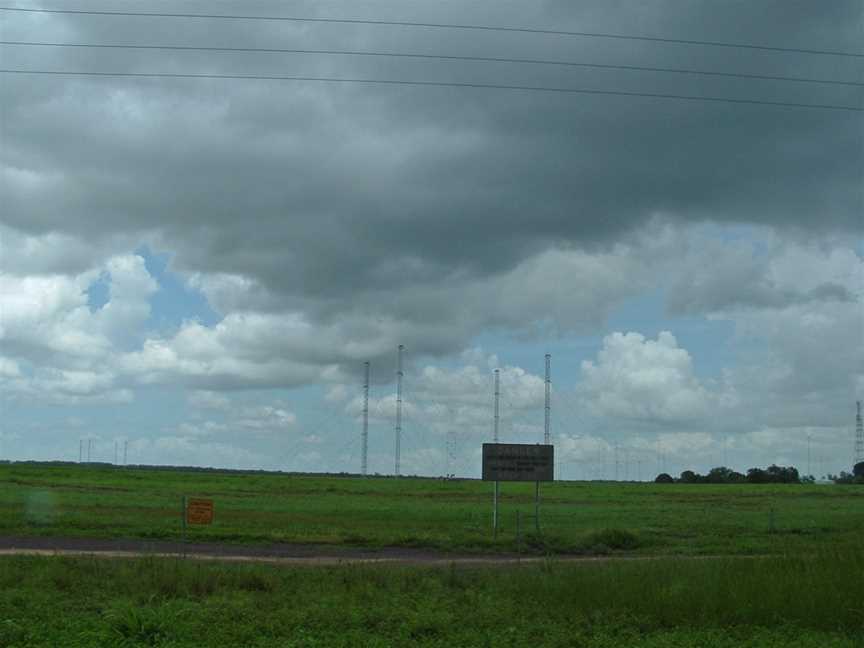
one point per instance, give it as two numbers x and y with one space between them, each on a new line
199 511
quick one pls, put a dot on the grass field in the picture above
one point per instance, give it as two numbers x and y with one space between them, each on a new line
577 517
791 578
814 602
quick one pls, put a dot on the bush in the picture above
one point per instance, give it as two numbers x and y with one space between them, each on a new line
149 624
664 478
606 539
846 478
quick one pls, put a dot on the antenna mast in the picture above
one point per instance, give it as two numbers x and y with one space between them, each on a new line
398 406
365 437
546 437
497 394
495 492
859 435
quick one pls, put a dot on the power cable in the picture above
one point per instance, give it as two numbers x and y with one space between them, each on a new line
430 25
438 84
441 57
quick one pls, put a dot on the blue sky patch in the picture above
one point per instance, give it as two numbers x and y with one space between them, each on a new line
175 301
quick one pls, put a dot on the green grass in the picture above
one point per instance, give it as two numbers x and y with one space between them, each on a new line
449 515
787 601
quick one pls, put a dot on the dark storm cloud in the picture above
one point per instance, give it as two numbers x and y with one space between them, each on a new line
321 192
746 291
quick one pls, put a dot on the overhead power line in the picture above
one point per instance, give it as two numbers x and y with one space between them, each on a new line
443 57
430 25
439 84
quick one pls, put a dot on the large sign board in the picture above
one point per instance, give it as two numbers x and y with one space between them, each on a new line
199 511
518 462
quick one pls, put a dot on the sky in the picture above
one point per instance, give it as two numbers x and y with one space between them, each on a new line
193 271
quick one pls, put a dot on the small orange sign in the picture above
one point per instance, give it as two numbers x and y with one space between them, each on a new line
199 511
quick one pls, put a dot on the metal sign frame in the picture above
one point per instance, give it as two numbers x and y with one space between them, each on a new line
518 462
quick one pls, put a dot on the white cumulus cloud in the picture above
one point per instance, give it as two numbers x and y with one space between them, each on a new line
638 378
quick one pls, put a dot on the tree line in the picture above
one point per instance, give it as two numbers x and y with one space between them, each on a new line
773 474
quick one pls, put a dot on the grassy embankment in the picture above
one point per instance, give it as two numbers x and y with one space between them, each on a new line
804 602
448 515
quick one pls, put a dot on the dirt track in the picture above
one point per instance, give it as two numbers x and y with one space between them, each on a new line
310 555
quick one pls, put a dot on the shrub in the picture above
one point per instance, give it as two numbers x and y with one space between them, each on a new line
621 539
148 624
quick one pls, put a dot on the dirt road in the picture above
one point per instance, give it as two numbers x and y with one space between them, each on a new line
287 554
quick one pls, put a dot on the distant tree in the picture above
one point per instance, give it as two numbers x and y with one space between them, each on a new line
720 475
723 475
783 474
757 476
774 475
688 477
855 477
664 478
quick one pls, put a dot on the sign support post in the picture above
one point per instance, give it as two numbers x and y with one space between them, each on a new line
537 506
495 512
195 511
519 532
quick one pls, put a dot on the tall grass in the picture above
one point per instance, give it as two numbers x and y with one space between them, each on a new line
57 601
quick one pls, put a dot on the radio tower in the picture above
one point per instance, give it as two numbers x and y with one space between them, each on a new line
365 437
548 397
859 435
398 406
497 394
495 440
